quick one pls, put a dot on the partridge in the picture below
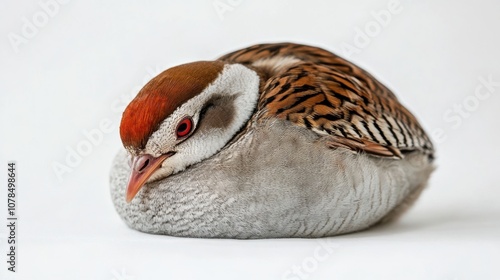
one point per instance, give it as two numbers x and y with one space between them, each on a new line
274 140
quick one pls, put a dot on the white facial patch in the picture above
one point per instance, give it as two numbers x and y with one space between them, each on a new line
235 81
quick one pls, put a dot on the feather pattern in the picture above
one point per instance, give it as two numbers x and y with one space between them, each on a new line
318 90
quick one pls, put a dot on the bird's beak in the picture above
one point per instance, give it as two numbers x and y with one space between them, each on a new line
143 166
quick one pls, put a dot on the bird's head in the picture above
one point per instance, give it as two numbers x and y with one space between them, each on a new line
183 116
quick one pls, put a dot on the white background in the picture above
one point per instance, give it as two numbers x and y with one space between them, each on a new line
89 58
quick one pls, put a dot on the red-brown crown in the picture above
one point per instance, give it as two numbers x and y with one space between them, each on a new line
161 96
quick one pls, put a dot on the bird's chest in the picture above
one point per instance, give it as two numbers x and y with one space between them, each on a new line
277 181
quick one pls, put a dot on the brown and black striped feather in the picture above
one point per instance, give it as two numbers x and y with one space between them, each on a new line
335 98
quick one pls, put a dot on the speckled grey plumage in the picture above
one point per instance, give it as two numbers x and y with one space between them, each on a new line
278 180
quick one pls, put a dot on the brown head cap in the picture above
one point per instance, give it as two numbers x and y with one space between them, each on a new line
161 96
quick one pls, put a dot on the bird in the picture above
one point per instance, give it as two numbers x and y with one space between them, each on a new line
276 140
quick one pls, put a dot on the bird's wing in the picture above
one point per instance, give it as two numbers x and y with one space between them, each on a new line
316 89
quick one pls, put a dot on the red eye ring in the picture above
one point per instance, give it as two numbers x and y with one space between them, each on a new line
184 127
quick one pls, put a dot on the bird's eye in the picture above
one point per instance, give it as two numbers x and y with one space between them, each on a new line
184 127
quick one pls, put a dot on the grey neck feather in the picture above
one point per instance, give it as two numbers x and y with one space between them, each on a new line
277 180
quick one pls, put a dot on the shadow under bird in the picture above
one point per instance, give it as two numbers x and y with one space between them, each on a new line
274 140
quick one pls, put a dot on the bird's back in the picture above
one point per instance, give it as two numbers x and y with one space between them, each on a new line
323 92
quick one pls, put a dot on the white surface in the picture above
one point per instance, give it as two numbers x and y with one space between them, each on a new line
91 58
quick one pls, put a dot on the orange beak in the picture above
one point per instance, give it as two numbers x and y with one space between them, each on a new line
143 167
